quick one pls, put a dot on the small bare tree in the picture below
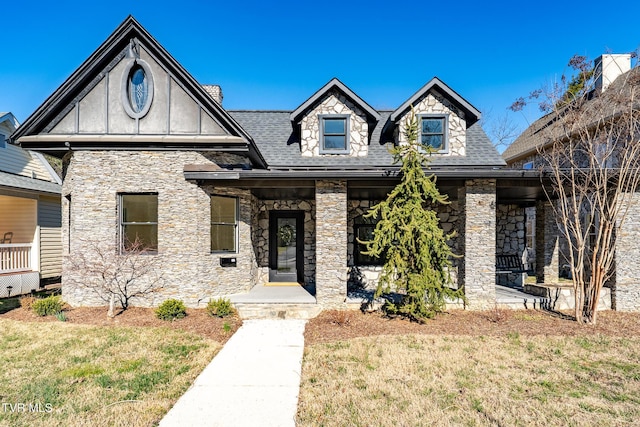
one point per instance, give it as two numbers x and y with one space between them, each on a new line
122 277
500 128
589 152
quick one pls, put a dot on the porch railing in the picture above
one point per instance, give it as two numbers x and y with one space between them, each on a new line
15 257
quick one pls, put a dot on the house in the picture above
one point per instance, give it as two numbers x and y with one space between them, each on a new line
30 216
588 134
231 200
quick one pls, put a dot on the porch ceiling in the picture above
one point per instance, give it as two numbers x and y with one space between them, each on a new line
512 186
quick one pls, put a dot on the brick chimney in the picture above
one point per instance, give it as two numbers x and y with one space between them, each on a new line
215 91
608 67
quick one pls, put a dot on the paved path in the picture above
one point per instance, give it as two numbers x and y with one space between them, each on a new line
253 381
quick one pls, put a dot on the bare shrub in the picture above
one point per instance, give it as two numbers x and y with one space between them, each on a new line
134 273
341 317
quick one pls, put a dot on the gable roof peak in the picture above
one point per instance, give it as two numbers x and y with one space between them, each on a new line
472 113
332 84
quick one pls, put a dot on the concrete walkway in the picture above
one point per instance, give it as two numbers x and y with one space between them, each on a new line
253 381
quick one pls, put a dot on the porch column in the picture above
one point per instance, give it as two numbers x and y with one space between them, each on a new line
626 293
331 243
547 244
477 272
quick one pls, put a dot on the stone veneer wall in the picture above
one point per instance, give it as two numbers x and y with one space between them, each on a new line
547 244
335 103
477 201
190 271
366 276
626 288
262 209
331 243
435 104
510 239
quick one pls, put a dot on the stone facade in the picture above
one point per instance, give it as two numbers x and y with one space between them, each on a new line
335 103
261 239
626 290
477 200
331 243
511 240
92 183
547 244
433 103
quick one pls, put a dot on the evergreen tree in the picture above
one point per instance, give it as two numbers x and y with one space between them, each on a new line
417 258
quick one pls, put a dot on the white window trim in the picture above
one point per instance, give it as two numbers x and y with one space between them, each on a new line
445 130
236 229
347 118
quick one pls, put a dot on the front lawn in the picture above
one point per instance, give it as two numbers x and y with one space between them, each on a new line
64 374
486 373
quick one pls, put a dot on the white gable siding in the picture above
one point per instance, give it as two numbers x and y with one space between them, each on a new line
20 162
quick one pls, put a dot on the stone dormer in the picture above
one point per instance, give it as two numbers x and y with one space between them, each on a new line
334 122
443 118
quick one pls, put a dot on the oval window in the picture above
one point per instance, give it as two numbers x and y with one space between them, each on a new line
138 88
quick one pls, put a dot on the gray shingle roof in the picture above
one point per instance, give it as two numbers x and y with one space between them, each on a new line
24 183
274 136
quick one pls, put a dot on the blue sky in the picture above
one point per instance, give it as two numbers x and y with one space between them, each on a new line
274 55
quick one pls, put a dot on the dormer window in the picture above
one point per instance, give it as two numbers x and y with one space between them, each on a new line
334 134
433 132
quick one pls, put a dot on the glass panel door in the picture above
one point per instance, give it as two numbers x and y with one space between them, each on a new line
285 236
286 245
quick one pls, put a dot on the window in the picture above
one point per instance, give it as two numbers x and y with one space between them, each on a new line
224 224
139 222
527 165
334 134
363 231
432 132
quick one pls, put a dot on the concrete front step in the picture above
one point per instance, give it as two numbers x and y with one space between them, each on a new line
277 311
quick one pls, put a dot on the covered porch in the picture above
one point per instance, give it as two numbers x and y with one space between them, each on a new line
19 246
320 208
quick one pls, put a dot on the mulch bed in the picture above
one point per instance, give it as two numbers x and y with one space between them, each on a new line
197 321
332 326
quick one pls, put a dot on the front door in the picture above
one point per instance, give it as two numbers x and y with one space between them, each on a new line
286 244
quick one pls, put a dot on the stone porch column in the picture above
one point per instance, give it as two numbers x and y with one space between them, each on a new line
477 273
626 292
547 244
331 243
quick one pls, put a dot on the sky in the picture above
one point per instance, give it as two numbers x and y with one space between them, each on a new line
273 55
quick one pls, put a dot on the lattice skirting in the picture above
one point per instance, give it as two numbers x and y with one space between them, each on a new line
19 284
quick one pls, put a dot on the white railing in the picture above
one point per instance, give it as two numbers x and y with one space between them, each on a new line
15 257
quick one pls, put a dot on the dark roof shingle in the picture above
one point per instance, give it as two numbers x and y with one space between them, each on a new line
275 138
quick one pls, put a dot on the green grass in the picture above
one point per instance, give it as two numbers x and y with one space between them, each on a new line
98 376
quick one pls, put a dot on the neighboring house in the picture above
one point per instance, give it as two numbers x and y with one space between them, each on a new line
613 80
30 216
228 200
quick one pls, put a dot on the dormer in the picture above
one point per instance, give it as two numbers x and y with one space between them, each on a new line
334 122
443 118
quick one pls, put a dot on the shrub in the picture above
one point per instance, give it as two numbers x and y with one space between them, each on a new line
171 309
220 307
27 302
49 306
